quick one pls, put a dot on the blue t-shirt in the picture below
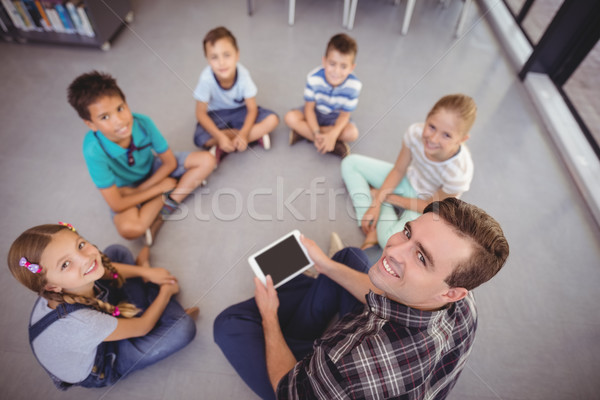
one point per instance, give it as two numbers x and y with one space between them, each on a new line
107 162
329 99
209 91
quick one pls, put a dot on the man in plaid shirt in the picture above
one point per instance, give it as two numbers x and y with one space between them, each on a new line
410 341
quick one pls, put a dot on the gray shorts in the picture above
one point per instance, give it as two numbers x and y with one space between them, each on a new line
180 156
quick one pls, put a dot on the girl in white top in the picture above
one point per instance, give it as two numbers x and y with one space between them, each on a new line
434 163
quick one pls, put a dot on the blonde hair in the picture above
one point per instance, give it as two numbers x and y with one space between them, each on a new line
31 244
461 104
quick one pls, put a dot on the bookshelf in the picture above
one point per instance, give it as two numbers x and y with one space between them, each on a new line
64 22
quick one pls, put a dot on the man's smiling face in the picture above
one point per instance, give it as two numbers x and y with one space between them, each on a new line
416 261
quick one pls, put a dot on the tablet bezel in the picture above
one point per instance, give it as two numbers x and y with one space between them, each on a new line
259 272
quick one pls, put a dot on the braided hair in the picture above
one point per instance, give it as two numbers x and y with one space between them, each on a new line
31 245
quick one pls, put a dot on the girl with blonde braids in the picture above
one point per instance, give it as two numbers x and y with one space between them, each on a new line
96 321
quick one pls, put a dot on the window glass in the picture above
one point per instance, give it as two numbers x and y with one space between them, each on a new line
583 89
515 5
539 17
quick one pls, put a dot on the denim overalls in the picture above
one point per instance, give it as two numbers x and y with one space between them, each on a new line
114 360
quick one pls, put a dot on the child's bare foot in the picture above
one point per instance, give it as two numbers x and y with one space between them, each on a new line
193 312
143 258
370 239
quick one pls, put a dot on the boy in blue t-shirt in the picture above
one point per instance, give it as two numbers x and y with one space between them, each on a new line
330 95
129 160
226 110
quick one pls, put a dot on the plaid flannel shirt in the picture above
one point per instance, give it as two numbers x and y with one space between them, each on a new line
389 351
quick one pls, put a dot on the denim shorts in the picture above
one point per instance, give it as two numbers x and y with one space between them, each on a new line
324 119
229 118
180 156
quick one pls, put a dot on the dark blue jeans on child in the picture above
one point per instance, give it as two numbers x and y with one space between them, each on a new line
115 360
306 308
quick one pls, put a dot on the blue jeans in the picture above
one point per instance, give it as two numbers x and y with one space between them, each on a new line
306 307
173 331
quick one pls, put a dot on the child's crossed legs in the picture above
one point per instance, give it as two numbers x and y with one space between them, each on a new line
192 169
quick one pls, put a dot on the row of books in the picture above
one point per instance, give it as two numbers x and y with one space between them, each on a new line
48 16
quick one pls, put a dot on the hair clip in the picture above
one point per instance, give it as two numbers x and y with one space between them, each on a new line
116 313
115 276
35 268
67 225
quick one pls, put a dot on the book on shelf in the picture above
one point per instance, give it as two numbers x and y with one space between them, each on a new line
55 21
13 14
34 14
46 20
64 18
28 22
5 21
75 18
85 20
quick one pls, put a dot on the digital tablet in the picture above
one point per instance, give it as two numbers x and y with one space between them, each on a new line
283 259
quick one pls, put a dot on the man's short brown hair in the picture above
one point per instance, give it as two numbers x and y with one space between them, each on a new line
490 247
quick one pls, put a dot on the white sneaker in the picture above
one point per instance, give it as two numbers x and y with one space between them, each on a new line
148 237
265 142
335 244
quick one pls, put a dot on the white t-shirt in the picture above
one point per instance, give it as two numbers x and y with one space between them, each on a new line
67 348
209 91
453 176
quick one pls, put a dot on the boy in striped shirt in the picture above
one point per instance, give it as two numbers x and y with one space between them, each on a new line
330 95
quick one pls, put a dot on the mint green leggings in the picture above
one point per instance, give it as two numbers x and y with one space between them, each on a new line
360 172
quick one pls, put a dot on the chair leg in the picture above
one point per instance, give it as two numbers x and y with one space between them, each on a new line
345 15
292 12
410 6
250 7
463 17
352 14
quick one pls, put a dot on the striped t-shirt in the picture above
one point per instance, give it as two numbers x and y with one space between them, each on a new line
328 99
453 176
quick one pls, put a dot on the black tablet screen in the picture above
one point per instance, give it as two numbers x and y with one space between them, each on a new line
282 260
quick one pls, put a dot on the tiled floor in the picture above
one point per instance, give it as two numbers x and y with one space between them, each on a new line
539 328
